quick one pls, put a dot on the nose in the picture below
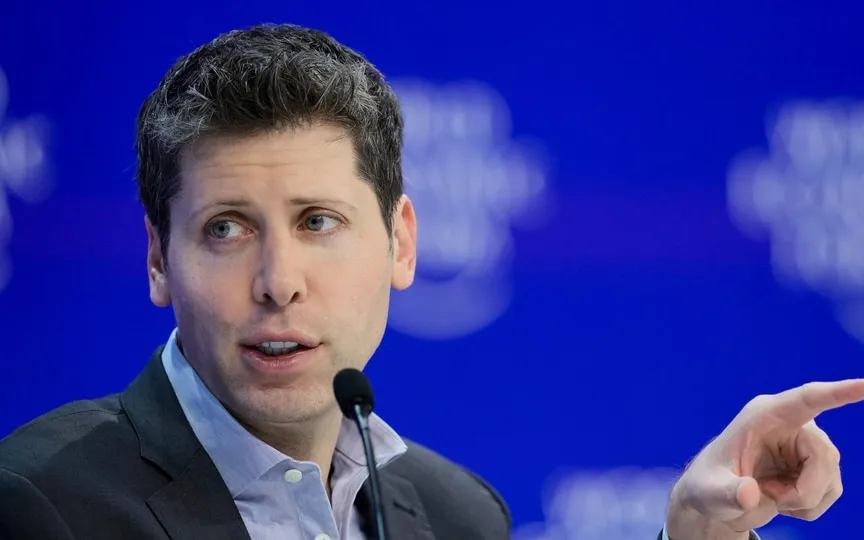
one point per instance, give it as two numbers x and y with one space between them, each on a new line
281 279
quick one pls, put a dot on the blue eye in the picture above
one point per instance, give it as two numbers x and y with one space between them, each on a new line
320 223
225 229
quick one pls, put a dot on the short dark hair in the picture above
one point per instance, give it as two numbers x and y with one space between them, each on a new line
264 79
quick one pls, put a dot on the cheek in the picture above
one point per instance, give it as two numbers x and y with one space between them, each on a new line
352 292
370 295
206 293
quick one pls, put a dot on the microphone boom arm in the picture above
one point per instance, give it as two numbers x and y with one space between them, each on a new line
361 417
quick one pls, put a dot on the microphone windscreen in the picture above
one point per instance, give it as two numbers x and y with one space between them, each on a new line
352 388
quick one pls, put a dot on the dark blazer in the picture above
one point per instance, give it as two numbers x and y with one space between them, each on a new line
129 467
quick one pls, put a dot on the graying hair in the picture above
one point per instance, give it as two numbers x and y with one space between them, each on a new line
266 79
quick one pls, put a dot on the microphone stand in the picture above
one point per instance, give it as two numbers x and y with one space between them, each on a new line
361 417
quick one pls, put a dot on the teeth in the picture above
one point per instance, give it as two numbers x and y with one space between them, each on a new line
275 344
275 348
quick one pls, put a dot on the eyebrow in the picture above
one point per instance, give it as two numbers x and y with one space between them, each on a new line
294 201
313 201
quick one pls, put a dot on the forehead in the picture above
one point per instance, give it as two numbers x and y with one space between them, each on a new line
315 161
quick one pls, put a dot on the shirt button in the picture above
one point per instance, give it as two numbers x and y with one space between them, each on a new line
322 537
293 476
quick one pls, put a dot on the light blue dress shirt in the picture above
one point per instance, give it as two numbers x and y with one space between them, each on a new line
753 535
278 497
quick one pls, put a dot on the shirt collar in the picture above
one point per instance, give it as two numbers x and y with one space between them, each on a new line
240 457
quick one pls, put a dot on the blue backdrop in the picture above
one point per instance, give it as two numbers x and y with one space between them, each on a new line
625 211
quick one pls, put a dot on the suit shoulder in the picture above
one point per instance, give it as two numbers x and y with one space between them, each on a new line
71 434
453 489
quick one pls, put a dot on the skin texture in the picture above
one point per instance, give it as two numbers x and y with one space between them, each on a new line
278 234
771 460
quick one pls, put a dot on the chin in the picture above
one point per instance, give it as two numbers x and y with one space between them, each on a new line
285 405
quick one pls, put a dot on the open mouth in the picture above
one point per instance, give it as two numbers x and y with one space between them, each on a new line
276 349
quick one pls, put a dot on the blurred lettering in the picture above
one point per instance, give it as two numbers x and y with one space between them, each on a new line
806 195
616 504
23 168
470 182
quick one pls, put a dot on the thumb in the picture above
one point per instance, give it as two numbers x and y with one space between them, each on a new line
720 494
748 494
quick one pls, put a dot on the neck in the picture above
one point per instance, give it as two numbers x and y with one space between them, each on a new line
313 441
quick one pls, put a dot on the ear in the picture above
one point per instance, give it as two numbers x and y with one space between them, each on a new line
159 293
404 244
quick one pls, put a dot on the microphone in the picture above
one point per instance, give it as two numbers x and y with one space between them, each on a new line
354 396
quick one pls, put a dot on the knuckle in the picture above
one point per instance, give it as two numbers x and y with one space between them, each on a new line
827 452
824 450
802 502
810 501
832 454
810 391
809 387
809 515
759 402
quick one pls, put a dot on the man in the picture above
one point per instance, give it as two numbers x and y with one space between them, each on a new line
269 168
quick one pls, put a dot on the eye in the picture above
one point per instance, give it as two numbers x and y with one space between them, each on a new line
320 223
225 229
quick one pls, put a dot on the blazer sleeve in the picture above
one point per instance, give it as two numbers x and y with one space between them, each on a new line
753 535
25 512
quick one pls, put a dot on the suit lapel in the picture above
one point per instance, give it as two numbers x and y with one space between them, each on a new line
195 504
405 515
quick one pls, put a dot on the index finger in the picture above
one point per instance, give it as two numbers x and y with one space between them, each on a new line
804 403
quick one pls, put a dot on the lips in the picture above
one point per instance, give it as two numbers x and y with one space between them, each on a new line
279 352
280 348
278 362
275 341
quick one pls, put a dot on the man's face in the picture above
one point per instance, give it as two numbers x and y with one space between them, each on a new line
275 238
